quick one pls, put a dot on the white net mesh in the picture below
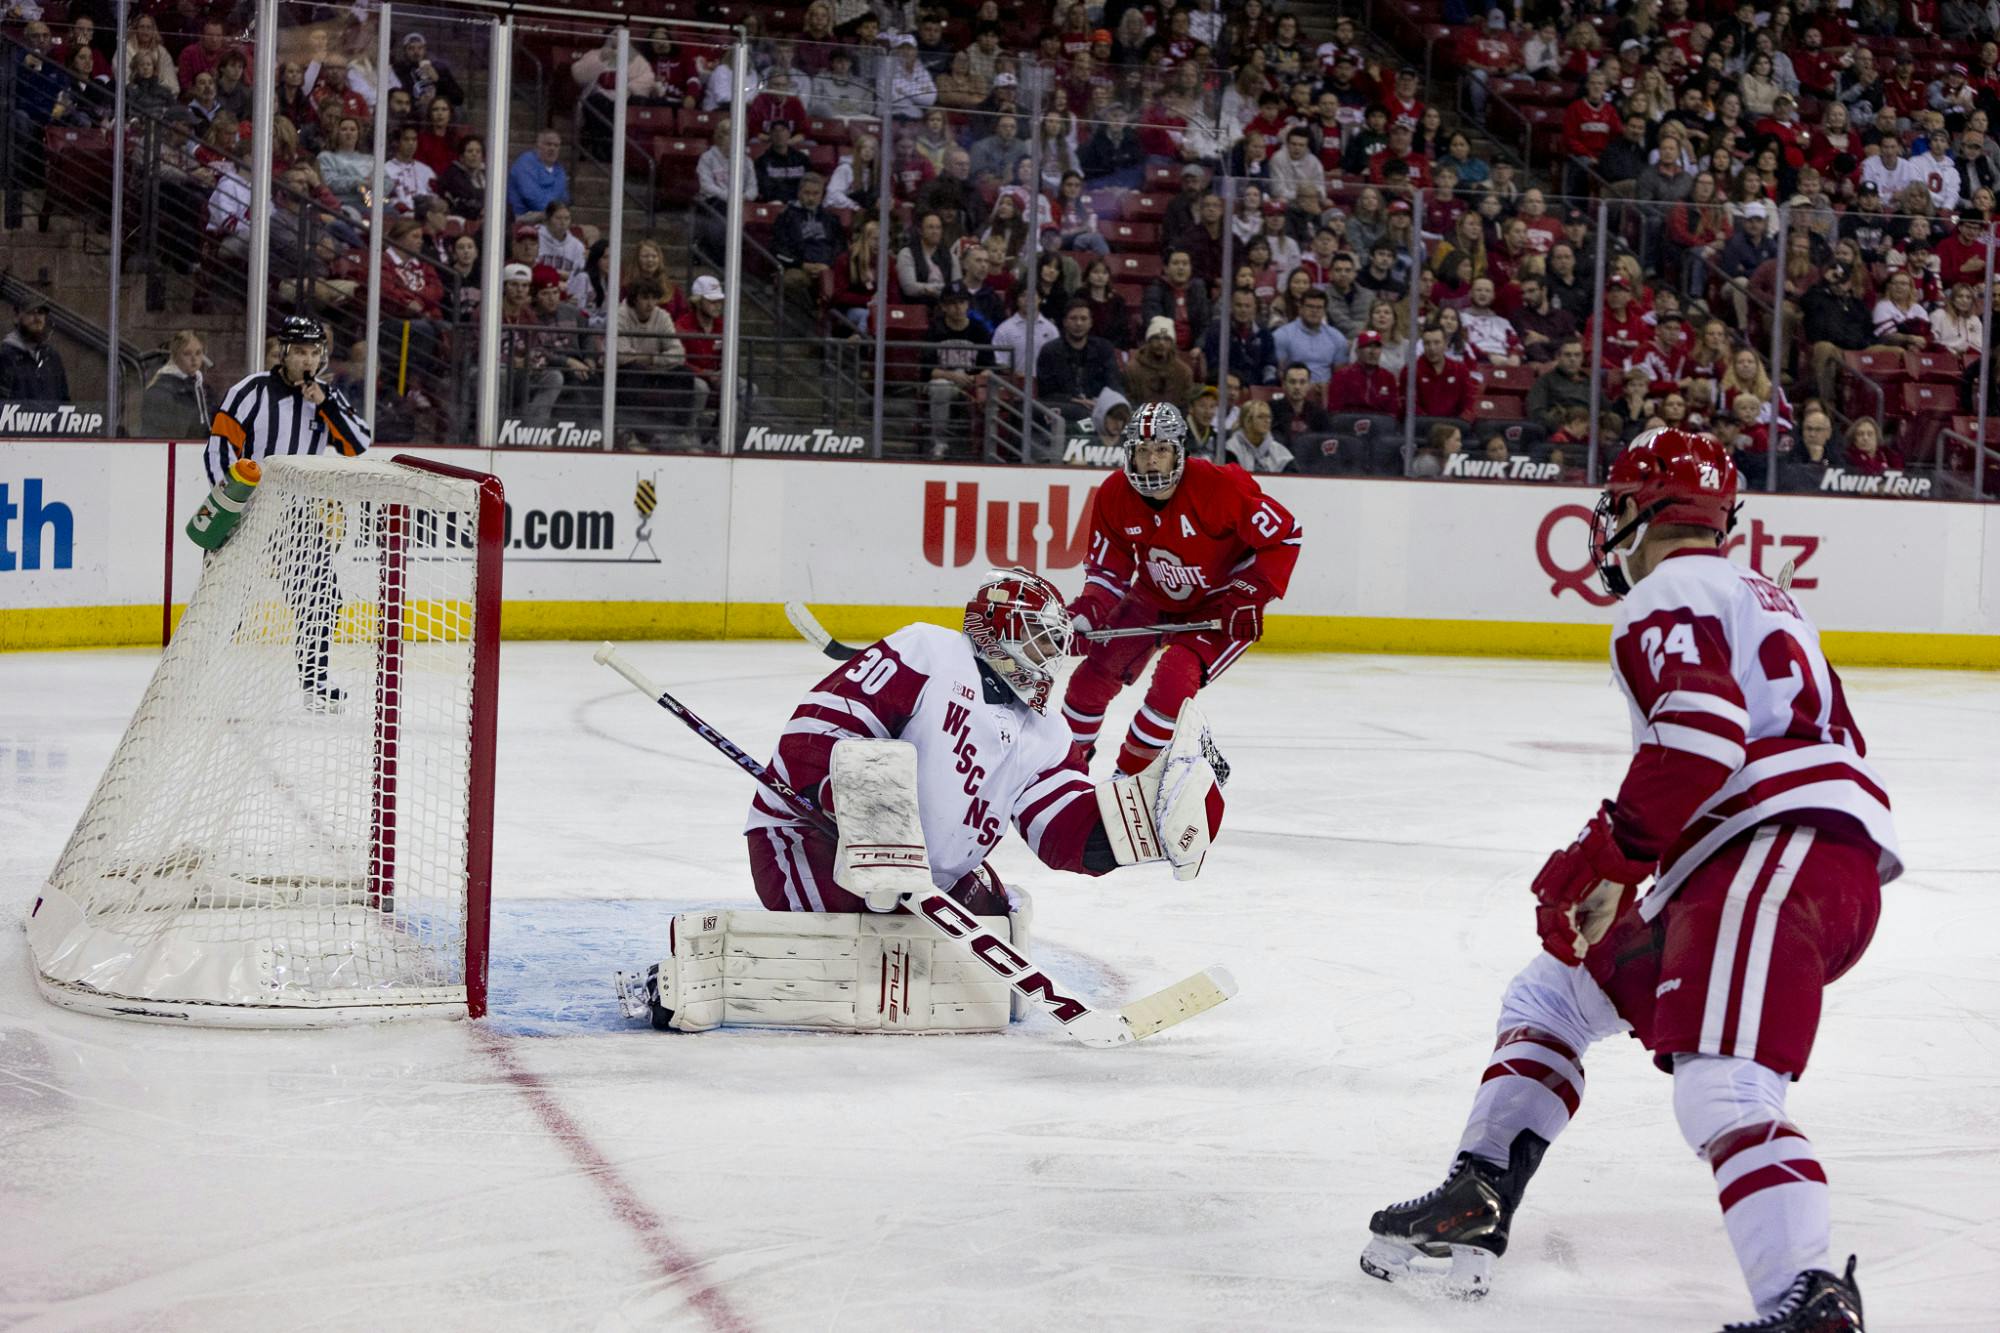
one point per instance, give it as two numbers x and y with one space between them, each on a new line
284 830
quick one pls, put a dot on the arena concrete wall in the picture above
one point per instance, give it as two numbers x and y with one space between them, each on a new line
91 553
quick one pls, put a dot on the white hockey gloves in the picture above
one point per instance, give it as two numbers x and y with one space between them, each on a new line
1173 809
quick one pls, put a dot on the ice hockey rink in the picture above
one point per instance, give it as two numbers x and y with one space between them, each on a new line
555 1168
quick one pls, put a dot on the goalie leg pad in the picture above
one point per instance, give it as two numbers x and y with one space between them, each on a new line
881 856
841 972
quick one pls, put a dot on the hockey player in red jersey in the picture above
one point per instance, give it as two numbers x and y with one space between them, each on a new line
1767 838
973 704
1172 539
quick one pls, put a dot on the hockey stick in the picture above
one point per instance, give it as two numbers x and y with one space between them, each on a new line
814 633
959 929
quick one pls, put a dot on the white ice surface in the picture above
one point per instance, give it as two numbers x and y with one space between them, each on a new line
554 1169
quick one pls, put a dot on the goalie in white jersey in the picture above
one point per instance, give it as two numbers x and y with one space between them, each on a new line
1766 836
958 722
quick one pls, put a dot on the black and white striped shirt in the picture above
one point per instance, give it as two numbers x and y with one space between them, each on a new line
261 415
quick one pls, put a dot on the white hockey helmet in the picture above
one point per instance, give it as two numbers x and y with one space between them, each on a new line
1020 628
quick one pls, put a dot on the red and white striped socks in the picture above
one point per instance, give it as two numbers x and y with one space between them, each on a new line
1775 1205
1534 1081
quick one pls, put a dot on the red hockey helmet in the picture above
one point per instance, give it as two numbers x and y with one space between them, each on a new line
1020 628
1671 476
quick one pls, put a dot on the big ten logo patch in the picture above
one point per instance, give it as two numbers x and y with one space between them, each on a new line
958 525
978 810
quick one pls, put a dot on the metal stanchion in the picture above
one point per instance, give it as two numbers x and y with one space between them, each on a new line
1228 299
493 256
1777 356
1985 373
1414 352
732 243
615 239
371 385
1594 456
263 109
1032 85
114 388
878 317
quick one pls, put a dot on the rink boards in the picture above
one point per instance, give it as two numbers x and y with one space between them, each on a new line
647 547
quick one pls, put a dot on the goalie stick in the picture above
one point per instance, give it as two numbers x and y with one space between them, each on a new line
959 929
814 633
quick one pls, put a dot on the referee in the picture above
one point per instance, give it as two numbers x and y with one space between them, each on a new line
290 410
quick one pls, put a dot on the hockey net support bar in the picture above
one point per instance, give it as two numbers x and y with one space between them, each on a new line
953 924
296 829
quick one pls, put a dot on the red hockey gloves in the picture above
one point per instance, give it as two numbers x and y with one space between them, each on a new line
1582 889
1239 605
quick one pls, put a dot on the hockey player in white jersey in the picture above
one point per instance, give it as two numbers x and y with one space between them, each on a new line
1766 836
981 753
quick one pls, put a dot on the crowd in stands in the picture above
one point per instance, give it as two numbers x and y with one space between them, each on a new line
1095 204
1087 260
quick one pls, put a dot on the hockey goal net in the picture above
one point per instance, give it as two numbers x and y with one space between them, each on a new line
296 829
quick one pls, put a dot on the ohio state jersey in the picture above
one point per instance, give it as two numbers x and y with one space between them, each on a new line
1218 526
984 758
1737 721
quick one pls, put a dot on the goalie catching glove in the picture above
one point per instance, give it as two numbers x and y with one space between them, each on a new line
1172 809
1582 889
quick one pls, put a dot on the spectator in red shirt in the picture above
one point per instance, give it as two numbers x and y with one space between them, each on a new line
1962 256
1489 52
1589 126
1904 91
1362 385
1405 103
1445 387
205 54
1627 332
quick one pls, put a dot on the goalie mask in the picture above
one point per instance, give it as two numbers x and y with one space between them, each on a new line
1155 423
1671 476
1020 628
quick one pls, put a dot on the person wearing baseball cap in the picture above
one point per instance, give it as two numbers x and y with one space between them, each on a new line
701 331
526 245
1363 385
31 370
1747 247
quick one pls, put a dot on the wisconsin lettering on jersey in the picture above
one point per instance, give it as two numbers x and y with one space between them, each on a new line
977 809
980 765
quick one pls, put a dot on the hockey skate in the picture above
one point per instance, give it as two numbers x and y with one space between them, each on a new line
1816 1302
1446 1240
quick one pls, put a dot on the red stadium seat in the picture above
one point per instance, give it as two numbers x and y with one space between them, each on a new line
907 321
653 120
1509 379
1926 410
827 130
1163 178
1887 369
1146 206
1499 407
677 158
1131 235
1109 203
694 121
1136 268
1935 367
